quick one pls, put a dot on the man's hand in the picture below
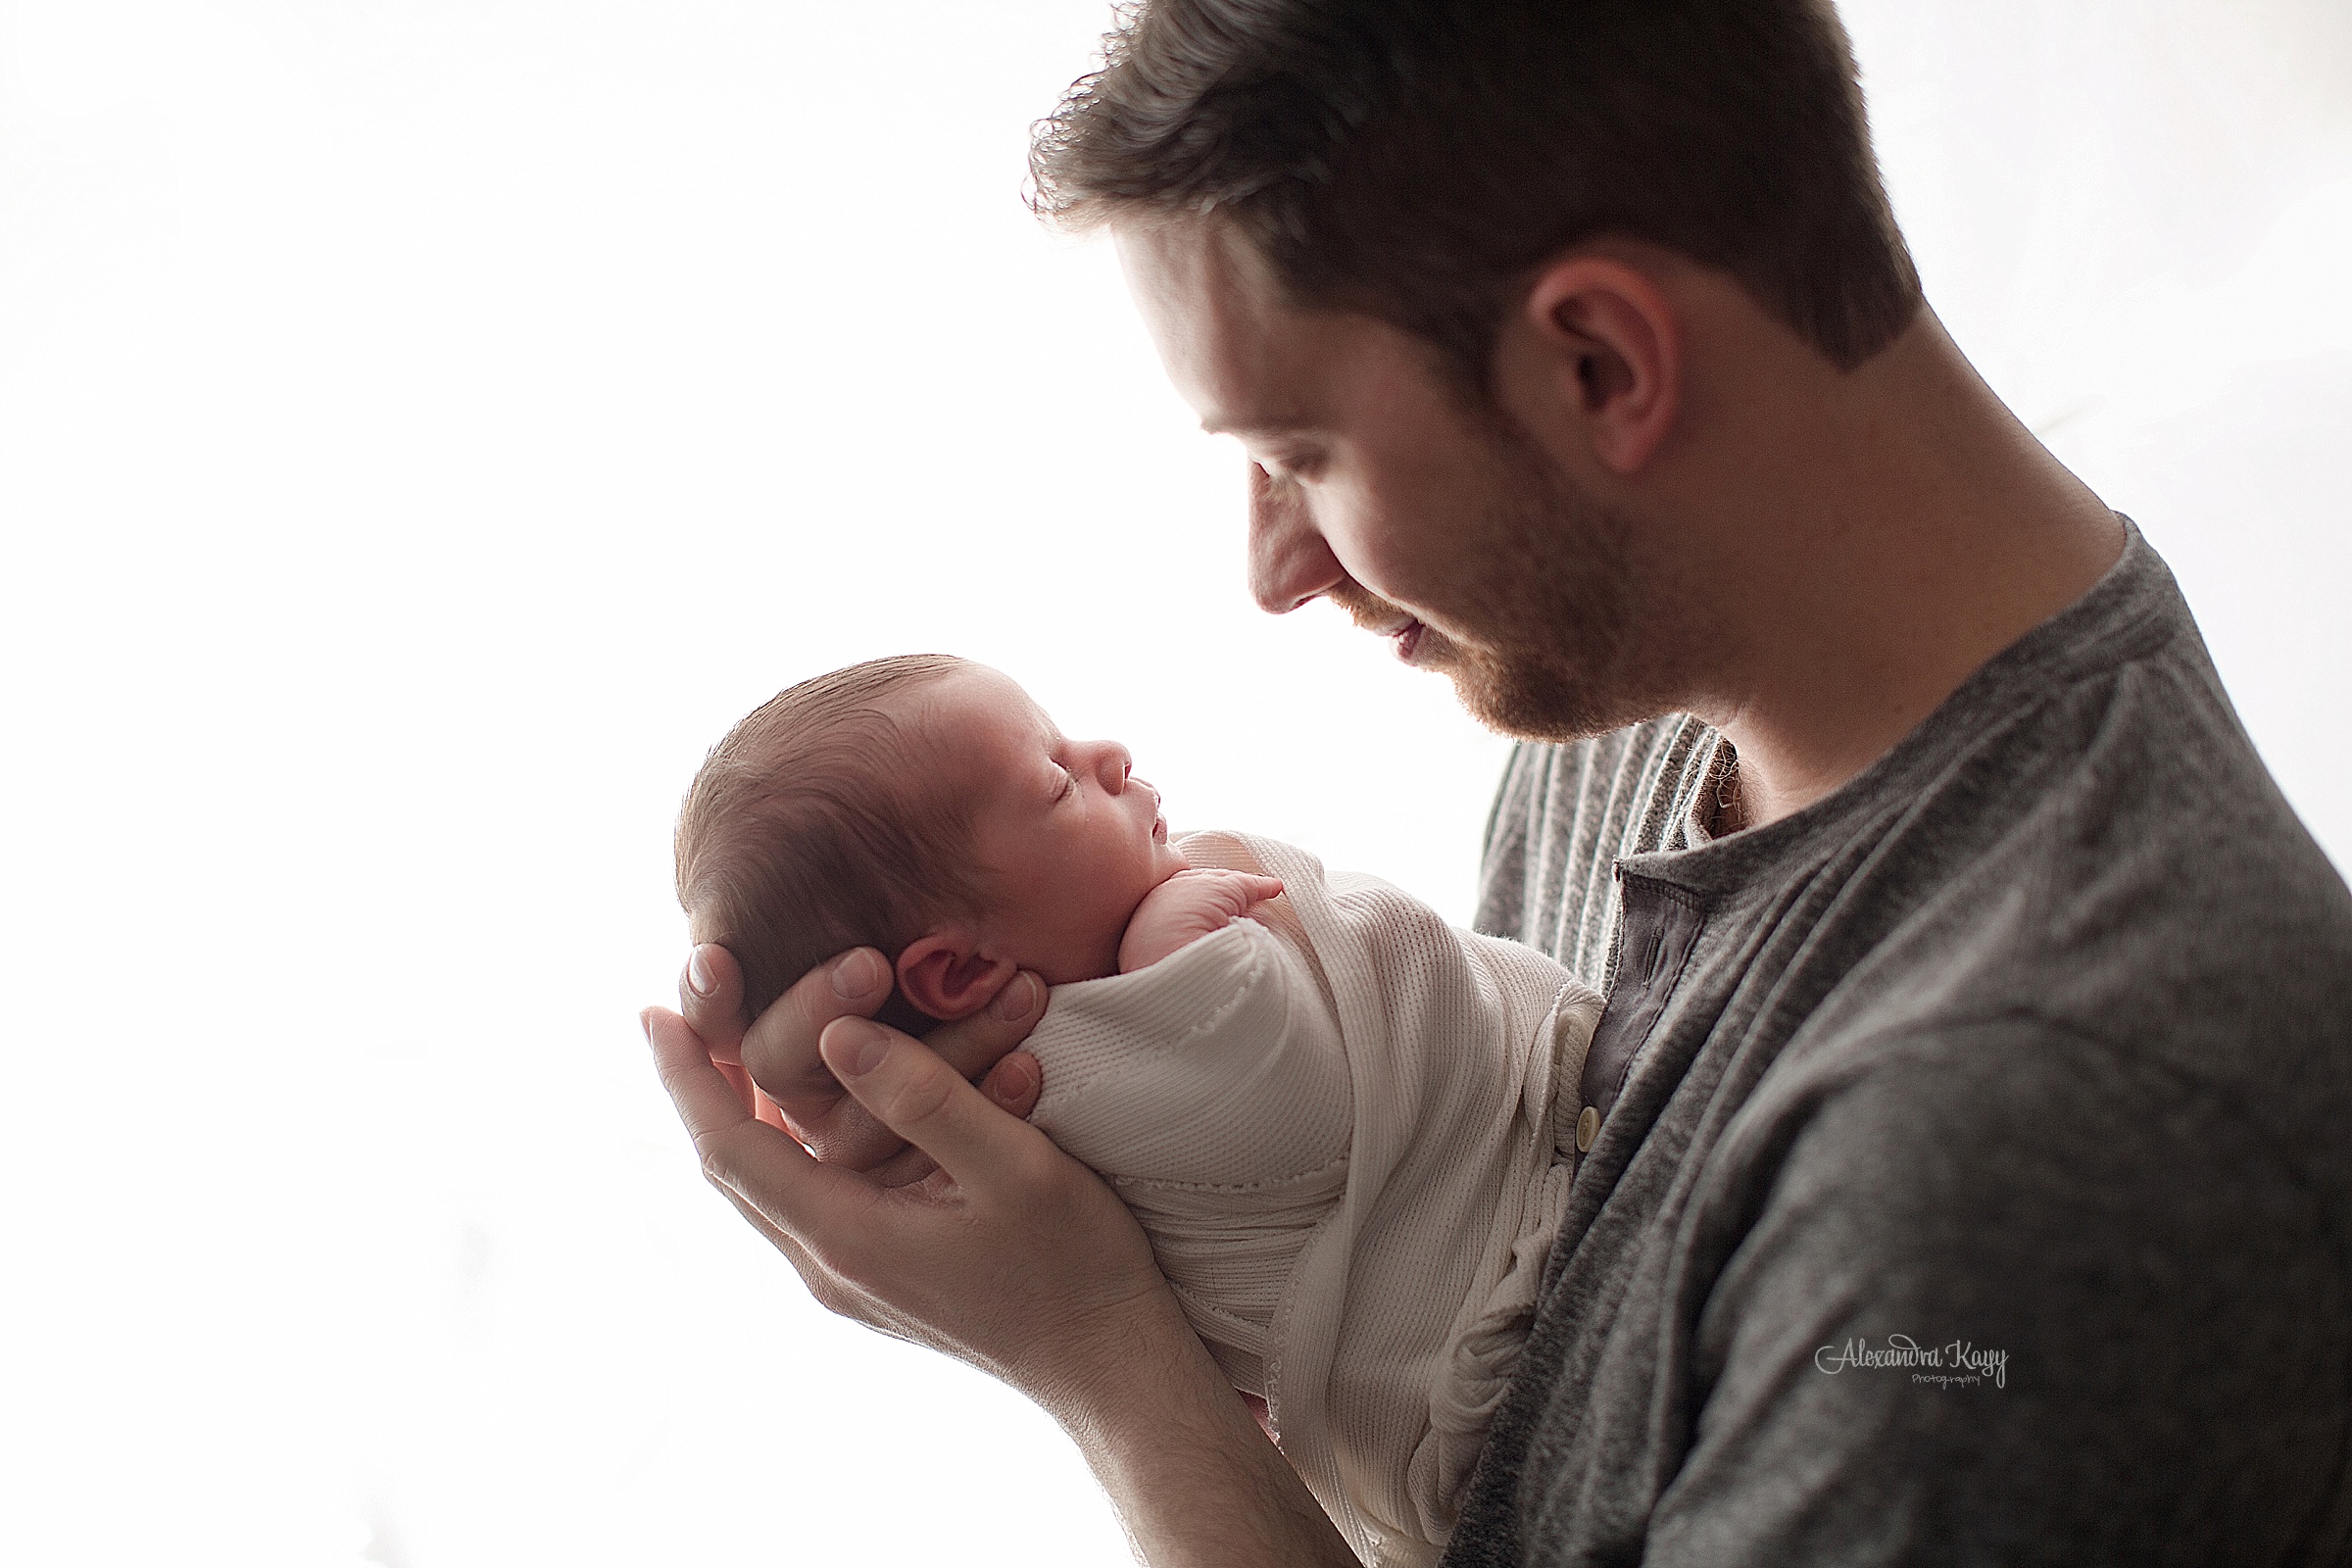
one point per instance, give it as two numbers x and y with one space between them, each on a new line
1014 1259
1002 1252
1188 907
1005 1241
778 1053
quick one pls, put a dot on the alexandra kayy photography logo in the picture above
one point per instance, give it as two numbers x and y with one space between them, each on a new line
1957 1365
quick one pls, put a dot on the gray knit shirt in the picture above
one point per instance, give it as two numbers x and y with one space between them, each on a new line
1977 1188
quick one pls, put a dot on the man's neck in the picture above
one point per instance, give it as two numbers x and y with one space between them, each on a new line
1903 529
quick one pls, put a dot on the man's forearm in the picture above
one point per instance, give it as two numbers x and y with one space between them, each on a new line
1196 1483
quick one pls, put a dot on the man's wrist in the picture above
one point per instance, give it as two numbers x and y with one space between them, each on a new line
1193 1479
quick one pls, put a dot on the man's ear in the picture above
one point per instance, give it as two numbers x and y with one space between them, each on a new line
1610 336
946 975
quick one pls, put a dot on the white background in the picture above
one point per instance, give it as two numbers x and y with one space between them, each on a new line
425 425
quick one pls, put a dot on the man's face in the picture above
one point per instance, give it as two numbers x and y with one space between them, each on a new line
1374 484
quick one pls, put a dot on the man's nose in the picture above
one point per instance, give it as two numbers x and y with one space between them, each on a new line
1289 561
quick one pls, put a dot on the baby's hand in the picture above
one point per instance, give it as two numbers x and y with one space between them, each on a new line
1188 907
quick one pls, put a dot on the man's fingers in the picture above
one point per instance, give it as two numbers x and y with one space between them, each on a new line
831 1291
903 1168
780 1051
756 1162
753 1101
710 996
741 1082
1015 1083
974 1045
920 1098
780 1046
842 1131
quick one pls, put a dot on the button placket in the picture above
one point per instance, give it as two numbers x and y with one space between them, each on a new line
1660 928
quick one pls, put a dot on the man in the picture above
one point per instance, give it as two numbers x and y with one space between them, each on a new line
1963 1173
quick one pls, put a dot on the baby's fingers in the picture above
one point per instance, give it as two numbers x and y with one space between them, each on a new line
1238 892
1262 888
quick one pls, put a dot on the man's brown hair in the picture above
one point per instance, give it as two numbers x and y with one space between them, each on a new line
812 828
1415 160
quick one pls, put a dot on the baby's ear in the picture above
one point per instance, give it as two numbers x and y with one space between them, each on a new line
945 975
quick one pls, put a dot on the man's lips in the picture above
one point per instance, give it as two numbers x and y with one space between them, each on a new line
1401 629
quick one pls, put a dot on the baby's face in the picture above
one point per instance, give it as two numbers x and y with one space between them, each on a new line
1068 840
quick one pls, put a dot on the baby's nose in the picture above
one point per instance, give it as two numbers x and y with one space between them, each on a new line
1114 765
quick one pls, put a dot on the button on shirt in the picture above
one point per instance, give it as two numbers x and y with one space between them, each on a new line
1660 925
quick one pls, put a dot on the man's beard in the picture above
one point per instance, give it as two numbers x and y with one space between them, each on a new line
1558 643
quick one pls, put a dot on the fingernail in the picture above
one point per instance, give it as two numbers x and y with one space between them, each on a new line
862 1049
1010 1084
853 975
699 978
1013 1003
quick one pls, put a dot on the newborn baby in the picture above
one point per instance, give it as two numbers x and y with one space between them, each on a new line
1333 1114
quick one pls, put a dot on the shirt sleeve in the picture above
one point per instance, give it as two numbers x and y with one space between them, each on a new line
2006 1295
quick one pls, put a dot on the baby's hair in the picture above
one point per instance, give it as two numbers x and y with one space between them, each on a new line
813 827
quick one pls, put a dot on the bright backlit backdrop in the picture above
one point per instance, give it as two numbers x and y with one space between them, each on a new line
425 425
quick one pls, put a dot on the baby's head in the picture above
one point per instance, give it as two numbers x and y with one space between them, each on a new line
926 806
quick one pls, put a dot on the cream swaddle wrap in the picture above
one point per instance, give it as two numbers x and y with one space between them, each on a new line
1336 1122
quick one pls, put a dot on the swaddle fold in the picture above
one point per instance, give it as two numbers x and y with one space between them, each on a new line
1335 1121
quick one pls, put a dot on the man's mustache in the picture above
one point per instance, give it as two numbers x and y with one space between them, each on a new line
1368 609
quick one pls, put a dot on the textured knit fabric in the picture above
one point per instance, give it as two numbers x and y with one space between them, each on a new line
1982 1192
1565 815
1336 1122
